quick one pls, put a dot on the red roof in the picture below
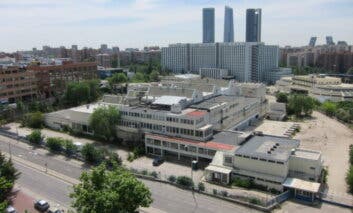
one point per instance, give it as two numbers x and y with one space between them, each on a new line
207 144
197 113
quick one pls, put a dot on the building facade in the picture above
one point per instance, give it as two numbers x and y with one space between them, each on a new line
208 25
228 35
253 25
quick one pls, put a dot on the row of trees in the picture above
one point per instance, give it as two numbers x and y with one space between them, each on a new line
341 110
8 176
139 77
349 176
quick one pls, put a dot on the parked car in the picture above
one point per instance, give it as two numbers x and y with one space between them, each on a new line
157 161
10 209
56 211
41 205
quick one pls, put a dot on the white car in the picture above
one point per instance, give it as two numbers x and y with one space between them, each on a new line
10 209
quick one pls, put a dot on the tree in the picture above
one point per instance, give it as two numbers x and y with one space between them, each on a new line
185 181
69 147
107 191
343 115
349 178
91 154
300 104
282 97
35 137
329 108
154 76
103 122
139 77
82 92
8 176
33 120
118 78
55 144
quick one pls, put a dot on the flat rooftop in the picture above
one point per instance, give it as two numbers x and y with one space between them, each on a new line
228 137
217 101
268 147
276 128
307 154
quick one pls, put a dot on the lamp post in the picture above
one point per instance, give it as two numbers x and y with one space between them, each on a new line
10 152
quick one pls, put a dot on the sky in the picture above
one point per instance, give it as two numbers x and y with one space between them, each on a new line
137 23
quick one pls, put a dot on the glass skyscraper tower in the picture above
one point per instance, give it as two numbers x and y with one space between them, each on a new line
228 35
253 25
208 25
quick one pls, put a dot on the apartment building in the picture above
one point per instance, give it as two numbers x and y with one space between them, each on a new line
246 61
17 83
53 78
213 73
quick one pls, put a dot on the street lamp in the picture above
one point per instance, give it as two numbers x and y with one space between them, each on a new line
10 152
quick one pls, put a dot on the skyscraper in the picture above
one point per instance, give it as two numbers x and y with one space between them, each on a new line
228 25
329 40
312 41
253 25
208 25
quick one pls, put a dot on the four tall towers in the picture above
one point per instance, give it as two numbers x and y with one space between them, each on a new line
253 25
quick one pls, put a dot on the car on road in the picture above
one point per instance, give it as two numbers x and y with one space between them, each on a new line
41 205
10 209
157 161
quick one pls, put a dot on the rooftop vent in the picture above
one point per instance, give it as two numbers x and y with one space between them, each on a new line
272 149
292 152
268 152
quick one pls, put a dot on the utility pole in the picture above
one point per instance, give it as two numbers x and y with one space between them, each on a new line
10 152
46 167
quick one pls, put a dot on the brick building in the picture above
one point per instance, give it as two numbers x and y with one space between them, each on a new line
17 83
53 78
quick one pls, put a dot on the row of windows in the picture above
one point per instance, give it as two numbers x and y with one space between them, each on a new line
159 117
257 158
182 147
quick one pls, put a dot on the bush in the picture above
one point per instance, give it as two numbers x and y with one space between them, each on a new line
224 193
172 178
91 154
69 147
138 152
214 191
144 172
33 120
275 191
255 201
329 108
282 97
55 144
154 174
324 175
201 186
245 183
35 137
185 181
130 157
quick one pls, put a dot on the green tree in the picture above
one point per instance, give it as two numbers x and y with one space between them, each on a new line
185 181
92 154
94 91
55 144
139 77
77 93
33 120
35 137
69 147
103 122
107 191
282 97
118 78
329 108
349 178
8 176
154 76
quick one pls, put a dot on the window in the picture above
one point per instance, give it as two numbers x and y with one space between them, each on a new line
228 160
157 142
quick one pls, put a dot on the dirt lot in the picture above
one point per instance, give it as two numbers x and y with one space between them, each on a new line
333 139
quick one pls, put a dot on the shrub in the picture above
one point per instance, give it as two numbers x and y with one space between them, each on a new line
144 172
275 191
172 178
55 144
112 158
214 191
282 97
255 201
329 108
224 193
185 181
201 186
154 174
33 120
91 154
130 157
245 183
69 147
324 175
138 151
35 137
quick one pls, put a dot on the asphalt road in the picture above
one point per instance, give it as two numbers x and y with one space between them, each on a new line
166 198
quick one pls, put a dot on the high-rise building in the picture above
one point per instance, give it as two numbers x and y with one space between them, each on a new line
208 25
312 41
329 40
104 48
246 61
253 25
228 25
